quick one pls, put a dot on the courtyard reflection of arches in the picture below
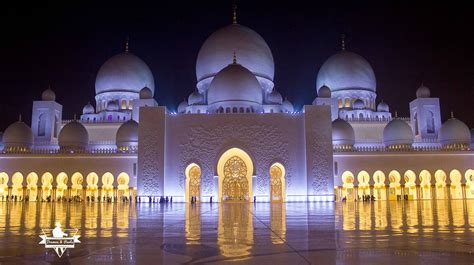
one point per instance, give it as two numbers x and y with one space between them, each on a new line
235 169
277 183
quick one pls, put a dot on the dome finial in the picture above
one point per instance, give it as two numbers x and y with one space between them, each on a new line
234 59
343 41
234 14
127 39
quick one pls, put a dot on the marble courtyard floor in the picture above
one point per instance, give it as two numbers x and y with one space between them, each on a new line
416 232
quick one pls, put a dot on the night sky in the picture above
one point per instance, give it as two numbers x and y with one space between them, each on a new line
65 46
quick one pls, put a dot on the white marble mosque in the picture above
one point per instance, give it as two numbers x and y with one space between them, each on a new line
236 139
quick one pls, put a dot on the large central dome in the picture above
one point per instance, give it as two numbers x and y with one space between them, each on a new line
346 71
251 49
124 72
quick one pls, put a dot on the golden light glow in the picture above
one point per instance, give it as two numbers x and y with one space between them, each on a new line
193 182
277 183
235 165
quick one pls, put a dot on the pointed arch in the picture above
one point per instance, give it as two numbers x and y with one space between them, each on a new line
394 190
440 178
410 184
32 186
193 182
17 185
348 186
363 187
425 184
61 185
235 169
277 183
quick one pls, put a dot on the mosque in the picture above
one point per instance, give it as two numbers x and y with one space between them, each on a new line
235 138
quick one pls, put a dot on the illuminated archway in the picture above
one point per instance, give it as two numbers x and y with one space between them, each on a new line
440 177
425 184
394 190
277 183
193 182
92 189
364 187
3 186
235 169
108 186
123 181
380 192
469 176
46 186
76 188
61 185
348 186
32 186
17 186
410 185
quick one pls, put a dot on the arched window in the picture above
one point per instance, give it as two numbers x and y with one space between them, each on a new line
430 122
361 116
227 110
56 125
347 103
42 124
124 104
234 110
415 117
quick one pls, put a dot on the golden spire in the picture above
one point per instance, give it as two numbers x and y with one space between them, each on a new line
234 60
126 43
343 41
234 14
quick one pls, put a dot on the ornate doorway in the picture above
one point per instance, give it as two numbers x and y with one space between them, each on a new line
277 183
193 182
235 184
235 171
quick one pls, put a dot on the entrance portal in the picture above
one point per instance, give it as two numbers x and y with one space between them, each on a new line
235 170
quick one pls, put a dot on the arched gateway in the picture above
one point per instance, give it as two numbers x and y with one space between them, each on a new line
235 169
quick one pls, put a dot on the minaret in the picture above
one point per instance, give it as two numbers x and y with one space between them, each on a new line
126 43
234 14
425 114
46 118
343 41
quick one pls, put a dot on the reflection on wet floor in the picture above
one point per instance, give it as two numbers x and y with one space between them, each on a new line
297 233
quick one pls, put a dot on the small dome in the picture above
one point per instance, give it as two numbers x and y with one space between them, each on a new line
73 136
127 134
423 92
182 106
88 109
397 132
383 107
146 93
234 83
287 106
18 134
124 72
342 133
454 131
346 71
48 95
112 106
251 49
196 98
274 98
359 104
324 92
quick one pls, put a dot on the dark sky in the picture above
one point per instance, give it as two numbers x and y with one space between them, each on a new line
66 44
